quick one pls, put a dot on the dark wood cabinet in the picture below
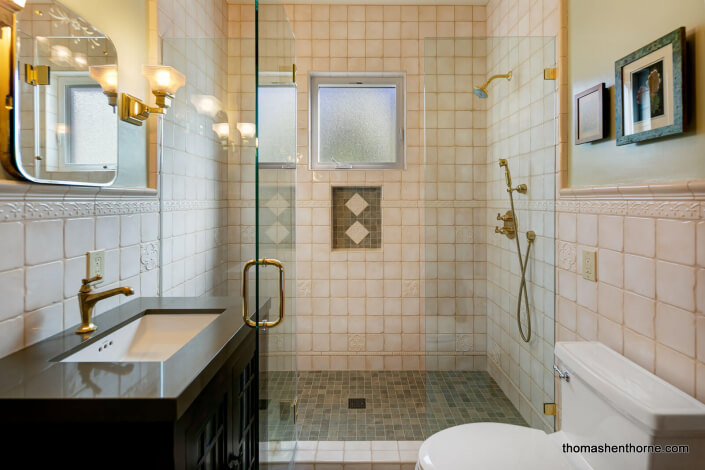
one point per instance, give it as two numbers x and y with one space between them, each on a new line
217 430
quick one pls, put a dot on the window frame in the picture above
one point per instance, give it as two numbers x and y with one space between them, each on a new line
357 80
66 81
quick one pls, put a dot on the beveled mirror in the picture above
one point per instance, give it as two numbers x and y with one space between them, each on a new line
62 119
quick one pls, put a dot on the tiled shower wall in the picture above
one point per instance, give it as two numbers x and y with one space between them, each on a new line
522 127
454 257
361 309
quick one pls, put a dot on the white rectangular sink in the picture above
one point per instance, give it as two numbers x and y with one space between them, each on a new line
150 338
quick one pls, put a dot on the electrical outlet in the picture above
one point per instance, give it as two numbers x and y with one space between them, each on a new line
95 263
590 265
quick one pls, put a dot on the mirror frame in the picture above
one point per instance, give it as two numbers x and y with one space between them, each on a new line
10 154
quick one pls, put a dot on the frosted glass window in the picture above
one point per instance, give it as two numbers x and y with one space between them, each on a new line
357 122
277 124
89 116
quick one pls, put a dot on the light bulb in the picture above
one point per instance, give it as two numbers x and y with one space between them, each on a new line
163 78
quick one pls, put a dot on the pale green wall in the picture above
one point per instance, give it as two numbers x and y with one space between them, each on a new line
602 32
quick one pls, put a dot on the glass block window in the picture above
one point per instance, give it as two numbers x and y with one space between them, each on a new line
357 121
277 126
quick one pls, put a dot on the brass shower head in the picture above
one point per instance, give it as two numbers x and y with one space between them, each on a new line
481 91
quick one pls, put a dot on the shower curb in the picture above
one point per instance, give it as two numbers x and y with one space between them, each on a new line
340 455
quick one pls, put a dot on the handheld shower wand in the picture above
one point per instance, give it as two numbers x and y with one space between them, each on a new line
511 227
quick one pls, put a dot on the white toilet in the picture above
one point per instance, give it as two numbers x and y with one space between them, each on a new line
607 400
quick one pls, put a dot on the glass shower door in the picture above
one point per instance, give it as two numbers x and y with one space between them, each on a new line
478 367
273 266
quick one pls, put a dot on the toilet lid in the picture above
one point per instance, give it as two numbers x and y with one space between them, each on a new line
491 446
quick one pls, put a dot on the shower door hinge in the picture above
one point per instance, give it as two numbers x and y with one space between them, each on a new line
550 73
549 409
37 74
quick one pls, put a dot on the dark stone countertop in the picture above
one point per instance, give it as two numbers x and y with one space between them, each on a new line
34 385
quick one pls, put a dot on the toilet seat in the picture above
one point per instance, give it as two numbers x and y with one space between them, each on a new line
492 446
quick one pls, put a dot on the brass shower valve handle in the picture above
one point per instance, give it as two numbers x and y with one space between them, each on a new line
509 232
509 228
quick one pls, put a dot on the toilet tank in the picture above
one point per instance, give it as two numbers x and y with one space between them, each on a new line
609 400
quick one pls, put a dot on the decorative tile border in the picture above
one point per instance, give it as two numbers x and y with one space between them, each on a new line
46 208
657 191
666 209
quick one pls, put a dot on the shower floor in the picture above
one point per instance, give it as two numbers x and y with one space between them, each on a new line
400 405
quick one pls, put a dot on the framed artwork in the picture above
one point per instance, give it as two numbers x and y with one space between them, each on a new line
589 114
649 90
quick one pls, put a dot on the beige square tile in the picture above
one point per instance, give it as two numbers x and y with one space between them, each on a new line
675 368
675 328
675 240
675 284
610 232
640 236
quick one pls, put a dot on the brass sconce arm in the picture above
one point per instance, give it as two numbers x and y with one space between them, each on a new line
164 81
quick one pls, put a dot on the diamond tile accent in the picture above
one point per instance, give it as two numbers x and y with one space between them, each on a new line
356 204
357 232
277 232
361 204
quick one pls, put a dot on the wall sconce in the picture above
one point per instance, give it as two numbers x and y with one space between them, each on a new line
206 104
164 82
107 76
8 8
247 130
222 130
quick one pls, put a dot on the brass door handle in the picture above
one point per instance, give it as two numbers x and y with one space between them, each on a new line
245 302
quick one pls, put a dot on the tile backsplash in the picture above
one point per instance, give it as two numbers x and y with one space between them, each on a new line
649 299
42 257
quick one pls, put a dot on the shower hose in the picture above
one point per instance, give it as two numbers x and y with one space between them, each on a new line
523 264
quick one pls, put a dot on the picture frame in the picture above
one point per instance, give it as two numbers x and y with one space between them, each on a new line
649 85
589 115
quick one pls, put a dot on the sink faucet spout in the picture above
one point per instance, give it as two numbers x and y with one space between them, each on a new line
87 300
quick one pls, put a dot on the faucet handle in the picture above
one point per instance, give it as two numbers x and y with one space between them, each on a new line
91 280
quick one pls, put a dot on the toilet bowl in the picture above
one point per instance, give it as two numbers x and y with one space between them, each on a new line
607 401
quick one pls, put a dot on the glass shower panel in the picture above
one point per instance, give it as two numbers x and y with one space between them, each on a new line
478 367
275 228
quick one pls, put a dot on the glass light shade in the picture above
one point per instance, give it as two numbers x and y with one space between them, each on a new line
163 79
107 76
247 129
206 104
222 130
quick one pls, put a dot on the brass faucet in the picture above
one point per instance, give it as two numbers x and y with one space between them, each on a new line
87 300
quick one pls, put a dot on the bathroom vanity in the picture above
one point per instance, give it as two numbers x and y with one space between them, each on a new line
162 383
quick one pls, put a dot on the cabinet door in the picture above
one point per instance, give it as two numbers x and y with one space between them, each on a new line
244 415
207 437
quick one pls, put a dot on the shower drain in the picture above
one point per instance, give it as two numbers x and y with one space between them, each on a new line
357 403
